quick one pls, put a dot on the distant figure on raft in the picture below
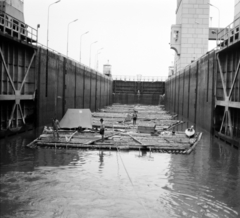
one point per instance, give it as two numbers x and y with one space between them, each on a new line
102 128
56 126
134 117
190 132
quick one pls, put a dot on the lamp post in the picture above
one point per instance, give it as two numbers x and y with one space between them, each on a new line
90 53
68 33
81 44
96 58
218 21
48 20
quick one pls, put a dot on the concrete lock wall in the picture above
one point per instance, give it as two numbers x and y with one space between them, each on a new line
135 92
67 84
190 94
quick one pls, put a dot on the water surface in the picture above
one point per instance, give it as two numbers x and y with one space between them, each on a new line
90 183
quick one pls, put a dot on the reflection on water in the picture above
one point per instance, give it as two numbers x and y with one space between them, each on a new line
90 183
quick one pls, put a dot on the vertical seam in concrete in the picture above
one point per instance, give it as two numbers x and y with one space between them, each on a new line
64 85
175 99
90 102
238 93
75 86
83 99
100 91
58 69
46 79
24 64
207 78
183 89
179 92
96 92
196 94
189 78
38 87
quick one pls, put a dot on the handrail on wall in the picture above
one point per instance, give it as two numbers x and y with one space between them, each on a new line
229 35
15 28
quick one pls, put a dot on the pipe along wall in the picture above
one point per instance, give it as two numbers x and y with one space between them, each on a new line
37 85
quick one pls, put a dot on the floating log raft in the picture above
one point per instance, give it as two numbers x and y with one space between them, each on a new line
151 133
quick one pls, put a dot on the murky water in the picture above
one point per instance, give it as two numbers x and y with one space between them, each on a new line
87 183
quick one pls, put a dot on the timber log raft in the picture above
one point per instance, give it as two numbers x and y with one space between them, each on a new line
121 135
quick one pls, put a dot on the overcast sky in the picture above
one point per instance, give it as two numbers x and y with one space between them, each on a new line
134 34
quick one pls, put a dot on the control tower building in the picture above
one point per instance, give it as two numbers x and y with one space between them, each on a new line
237 9
190 34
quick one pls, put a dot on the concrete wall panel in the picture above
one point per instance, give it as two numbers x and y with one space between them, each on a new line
93 91
67 85
190 94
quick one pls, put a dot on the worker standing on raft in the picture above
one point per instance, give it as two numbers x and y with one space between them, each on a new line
134 117
56 126
102 128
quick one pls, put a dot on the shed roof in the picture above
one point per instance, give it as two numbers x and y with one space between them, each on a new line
74 118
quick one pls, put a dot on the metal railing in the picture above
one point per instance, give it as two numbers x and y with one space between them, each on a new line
139 78
229 35
15 28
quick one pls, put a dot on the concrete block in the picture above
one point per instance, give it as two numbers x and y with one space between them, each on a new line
192 11
190 40
206 11
185 20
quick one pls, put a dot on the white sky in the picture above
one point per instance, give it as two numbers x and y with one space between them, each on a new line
134 34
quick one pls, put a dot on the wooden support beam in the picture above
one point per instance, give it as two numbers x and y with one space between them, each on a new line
230 122
234 80
30 64
223 121
23 118
231 104
7 71
14 97
222 78
11 117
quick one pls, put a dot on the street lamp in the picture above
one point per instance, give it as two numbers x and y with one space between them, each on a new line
81 44
218 20
48 20
68 32
90 53
96 58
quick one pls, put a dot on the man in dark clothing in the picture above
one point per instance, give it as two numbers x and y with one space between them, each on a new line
102 128
56 126
134 117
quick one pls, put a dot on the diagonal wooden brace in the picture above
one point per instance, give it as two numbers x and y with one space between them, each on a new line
6 68
234 80
222 78
29 66
10 120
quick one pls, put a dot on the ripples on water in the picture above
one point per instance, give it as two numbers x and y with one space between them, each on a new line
87 183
